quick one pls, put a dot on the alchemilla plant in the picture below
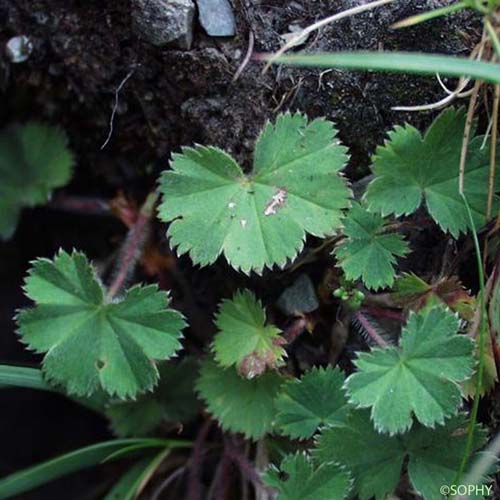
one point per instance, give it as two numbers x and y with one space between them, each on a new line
393 416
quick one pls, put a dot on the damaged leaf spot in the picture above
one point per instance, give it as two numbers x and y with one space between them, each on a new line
277 201
100 364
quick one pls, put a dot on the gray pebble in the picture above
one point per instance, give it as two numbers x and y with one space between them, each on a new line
160 22
217 17
18 49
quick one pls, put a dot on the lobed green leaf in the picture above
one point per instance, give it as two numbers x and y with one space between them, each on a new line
316 399
90 343
239 404
368 253
261 219
34 160
419 378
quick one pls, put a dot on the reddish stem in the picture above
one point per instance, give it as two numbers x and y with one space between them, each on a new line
194 485
130 252
381 312
372 333
245 466
81 205
295 329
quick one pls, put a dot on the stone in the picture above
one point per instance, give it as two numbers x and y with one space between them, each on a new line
162 22
18 49
217 17
299 298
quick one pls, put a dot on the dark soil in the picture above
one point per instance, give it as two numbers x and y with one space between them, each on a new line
83 50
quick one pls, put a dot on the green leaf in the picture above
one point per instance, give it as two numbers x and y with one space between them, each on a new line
173 400
368 253
30 478
239 405
414 293
244 339
398 62
92 343
419 378
34 160
435 455
305 481
411 168
376 460
133 481
261 219
316 399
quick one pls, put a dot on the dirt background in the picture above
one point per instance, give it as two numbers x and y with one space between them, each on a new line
83 50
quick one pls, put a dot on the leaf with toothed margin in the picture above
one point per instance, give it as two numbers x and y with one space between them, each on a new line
90 342
239 404
244 339
376 460
369 253
410 169
173 400
261 219
419 378
299 478
315 399
34 160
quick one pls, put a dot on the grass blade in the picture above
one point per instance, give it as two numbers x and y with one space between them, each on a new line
32 378
134 480
30 478
396 62
20 376
483 326
432 14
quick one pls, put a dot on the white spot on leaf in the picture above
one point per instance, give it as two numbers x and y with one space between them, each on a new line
277 201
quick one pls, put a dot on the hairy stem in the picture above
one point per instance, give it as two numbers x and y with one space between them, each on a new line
131 250
372 332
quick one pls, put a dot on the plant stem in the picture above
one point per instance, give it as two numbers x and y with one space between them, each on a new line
467 132
427 16
482 337
372 333
195 461
493 36
130 251
493 150
81 205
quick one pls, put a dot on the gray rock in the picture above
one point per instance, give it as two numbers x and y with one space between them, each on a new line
18 49
164 21
217 17
299 298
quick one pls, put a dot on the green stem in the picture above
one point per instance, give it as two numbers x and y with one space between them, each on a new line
479 5
493 36
427 16
482 337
